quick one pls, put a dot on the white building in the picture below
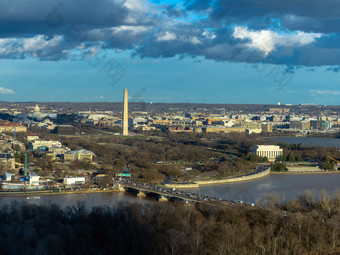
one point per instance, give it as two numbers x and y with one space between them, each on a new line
269 151
38 115
31 138
41 143
9 176
254 130
33 180
74 180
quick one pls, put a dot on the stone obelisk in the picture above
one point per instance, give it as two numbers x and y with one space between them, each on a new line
125 125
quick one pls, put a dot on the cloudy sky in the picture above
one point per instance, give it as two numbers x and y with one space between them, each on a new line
218 51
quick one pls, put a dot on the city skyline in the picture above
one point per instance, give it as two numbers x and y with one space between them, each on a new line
170 51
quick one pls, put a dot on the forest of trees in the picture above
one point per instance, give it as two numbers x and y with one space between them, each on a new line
305 225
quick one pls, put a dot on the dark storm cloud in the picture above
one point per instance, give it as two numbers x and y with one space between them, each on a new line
172 11
291 32
22 22
36 16
198 5
306 15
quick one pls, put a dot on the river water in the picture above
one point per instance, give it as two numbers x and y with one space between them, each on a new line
91 199
287 186
313 141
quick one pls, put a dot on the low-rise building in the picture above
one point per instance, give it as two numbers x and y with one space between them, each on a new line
58 150
7 161
266 127
67 157
223 129
74 180
33 180
179 129
41 143
81 155
7 126
65 130
9 176
31 138
254 131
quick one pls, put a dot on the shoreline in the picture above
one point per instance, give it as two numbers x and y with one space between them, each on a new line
263 174
307 172
196 184
179 186
35 193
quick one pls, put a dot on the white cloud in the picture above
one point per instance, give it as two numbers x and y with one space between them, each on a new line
208 34
268 40
325 92
135 5
116 32
30 46
170 36
39 42
99 97
6 91
136 8
195 40
136 30
167 36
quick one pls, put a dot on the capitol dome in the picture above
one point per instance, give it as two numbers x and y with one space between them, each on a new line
36 108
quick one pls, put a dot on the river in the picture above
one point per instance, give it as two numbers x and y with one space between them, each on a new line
313 141
287 186
91 199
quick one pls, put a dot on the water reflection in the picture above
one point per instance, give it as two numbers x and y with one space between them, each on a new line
312 141
91 199
286 186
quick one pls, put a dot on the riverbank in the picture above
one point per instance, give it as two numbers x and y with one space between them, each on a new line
196 184
236 179
48 192
307 172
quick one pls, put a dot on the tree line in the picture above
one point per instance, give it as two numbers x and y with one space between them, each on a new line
304 225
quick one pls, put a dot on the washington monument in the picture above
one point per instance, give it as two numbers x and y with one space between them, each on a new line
125 125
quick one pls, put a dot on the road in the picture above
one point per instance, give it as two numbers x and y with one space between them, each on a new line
174 193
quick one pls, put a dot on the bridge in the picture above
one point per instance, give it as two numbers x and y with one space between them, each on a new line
163 193
166 194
